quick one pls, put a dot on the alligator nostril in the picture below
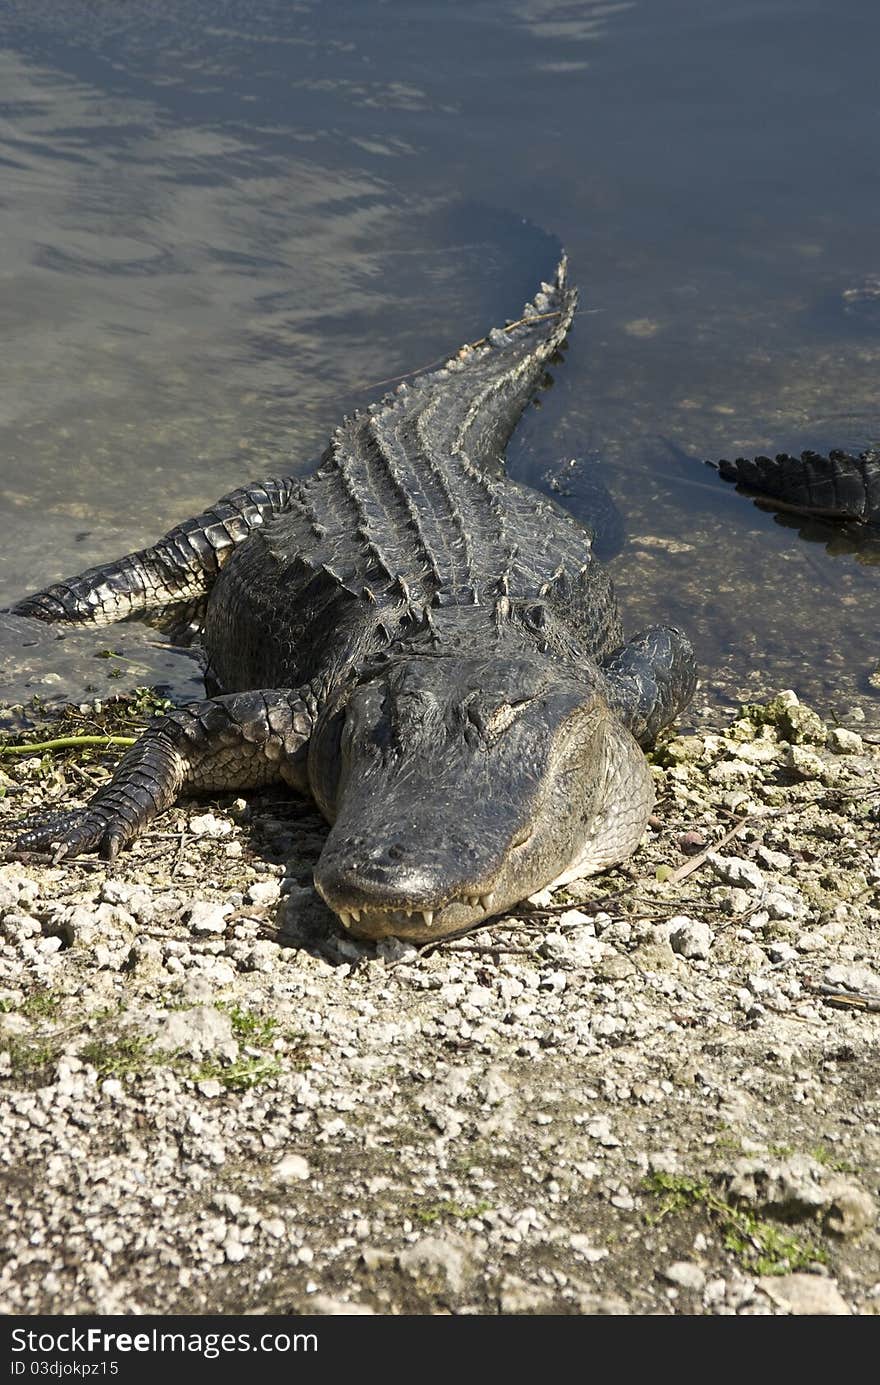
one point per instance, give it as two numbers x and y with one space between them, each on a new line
382 855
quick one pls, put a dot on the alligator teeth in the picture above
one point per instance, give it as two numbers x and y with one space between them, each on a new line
428 916
487 900
345 917
355 914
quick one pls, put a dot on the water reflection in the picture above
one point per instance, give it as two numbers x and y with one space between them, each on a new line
223 222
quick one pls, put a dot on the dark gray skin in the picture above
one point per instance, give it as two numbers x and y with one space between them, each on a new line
428 649
837 487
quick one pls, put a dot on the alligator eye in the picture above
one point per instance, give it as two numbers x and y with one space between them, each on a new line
505 715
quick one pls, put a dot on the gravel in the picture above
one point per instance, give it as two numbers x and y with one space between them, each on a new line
655 1091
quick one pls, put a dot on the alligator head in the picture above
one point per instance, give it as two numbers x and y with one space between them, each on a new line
457 786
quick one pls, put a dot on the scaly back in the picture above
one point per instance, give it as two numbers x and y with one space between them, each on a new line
404 496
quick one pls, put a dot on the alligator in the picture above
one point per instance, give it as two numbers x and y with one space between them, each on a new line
838 486
427 648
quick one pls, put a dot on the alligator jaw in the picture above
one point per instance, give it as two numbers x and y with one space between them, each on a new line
415 924
375 922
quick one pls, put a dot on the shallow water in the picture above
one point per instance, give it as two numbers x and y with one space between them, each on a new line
223 223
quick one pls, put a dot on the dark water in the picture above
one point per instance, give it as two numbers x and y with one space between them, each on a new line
222 223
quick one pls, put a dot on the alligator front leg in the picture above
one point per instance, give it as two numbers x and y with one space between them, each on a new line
651 679
243 740
177 571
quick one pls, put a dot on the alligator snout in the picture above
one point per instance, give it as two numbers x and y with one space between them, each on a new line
382 881
393 888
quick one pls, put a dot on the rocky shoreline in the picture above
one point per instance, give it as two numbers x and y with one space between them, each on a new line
655 1092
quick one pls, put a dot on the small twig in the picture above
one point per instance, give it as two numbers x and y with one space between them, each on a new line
451 945
65 743
491 947
552 911
598 905
42 858
178 860
78 774
755 820
681 872
848 1000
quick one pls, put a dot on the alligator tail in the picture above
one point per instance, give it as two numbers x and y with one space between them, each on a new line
839 486
475 399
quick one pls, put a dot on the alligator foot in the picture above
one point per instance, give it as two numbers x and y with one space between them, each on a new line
243 740
651 679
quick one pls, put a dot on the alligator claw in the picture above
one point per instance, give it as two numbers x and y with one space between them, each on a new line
71 834
110 847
